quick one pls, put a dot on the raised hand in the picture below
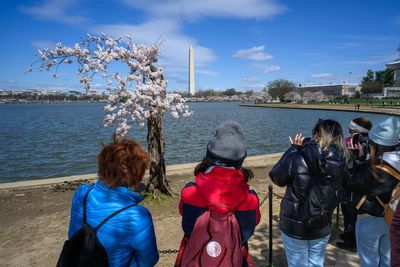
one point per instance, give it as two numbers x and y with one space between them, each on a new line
298 139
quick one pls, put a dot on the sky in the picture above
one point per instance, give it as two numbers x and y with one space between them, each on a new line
241 44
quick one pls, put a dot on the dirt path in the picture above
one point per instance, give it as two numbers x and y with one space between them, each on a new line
34 225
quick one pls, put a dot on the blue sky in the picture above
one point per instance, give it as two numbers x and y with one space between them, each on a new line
238 43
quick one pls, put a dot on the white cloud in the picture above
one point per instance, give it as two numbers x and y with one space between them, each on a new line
195 9
272 68
174 51
323 75
263 68
256 53
163 18
55 10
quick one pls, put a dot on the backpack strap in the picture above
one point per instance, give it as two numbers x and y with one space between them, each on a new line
182 247
249 261
112 215
106 219
389 170
362 200
84 204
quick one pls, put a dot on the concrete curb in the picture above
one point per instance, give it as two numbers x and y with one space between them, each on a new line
187 168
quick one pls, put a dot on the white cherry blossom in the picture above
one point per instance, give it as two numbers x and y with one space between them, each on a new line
134 97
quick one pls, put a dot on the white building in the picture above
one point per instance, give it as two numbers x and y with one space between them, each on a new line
332 89
395 66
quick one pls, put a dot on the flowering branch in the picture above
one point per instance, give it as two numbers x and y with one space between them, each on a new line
125 107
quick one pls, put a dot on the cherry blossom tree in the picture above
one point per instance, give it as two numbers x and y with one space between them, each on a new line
293 97
139 96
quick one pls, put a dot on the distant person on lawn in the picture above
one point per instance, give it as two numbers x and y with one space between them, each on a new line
128 237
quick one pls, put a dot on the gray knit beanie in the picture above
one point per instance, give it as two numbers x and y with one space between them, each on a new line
386 133
228 143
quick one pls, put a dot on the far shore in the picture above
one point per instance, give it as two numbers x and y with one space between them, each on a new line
335 107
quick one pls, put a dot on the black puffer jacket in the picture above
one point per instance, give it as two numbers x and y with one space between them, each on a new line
362 182
293 172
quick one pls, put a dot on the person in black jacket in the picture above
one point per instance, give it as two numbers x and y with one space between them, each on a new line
358 129
372 189
320 161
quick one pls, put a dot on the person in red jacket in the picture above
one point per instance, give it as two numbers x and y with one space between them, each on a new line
221 179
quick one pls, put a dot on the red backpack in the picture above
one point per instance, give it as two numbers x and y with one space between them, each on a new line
215 241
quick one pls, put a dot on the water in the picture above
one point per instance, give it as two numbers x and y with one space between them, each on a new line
53 140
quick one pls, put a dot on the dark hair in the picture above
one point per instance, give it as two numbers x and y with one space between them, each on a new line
122 162
209 162
363 122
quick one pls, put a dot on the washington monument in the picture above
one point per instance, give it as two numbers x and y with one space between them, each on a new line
191 71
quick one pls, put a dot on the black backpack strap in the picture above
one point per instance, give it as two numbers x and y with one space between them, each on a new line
84 204
112 215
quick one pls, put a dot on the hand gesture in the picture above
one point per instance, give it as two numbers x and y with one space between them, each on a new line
298 139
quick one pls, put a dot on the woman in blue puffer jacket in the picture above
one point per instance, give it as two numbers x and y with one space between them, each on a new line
128 237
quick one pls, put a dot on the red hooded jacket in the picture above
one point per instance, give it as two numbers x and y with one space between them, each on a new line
225 186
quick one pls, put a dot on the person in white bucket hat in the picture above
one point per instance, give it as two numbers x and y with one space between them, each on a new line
372 188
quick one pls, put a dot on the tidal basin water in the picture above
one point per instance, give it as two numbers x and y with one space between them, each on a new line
54 140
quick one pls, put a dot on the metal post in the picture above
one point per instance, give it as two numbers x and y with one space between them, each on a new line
270 224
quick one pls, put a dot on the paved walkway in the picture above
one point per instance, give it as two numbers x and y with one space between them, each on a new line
258 245
345 108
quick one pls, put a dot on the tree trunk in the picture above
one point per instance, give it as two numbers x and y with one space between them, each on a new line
156 148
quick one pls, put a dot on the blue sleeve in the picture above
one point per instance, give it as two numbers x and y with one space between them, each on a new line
143 241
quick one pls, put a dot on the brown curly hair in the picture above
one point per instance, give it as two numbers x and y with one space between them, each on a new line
122 162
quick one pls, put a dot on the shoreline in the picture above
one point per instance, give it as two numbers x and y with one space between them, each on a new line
178 169
342 108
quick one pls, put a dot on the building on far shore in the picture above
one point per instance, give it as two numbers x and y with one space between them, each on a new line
393 91
332 89
395 66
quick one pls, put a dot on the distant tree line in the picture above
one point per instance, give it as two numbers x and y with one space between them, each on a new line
374 82
51 97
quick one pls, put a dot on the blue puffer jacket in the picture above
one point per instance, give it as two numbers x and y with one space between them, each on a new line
128 235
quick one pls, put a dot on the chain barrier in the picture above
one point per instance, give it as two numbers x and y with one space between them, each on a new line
278 196
263 200
168 251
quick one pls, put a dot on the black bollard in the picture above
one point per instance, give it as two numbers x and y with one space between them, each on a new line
270 223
